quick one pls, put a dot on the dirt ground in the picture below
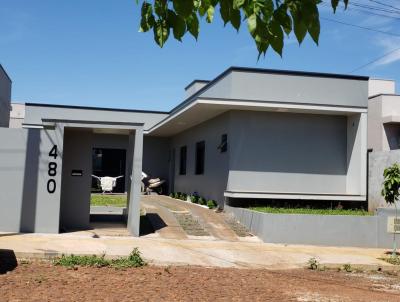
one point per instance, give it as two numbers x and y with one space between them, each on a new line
41 281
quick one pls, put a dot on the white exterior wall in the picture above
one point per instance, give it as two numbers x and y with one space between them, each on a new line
384 123
378 86
17 115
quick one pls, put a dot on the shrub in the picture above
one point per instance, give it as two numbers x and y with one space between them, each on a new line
202 201
347 267
183 196
194 199
313 264
211 204
133 260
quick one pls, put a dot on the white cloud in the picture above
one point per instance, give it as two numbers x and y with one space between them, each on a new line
388 44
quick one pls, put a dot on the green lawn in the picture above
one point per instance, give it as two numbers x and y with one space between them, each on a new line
108 200
273 210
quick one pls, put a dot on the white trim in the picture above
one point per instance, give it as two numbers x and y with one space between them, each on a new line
260 195
284 106
170 117
288 106
32 126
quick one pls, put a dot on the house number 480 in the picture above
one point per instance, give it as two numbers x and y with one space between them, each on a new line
52 171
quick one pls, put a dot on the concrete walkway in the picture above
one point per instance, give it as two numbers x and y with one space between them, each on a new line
162 251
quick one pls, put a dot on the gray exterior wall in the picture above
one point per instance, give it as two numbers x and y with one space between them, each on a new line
328 230
35 113
26 205
284 88
156 157
378 162
286 152
75 192
212 183
5 98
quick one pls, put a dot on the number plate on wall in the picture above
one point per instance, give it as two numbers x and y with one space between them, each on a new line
393 225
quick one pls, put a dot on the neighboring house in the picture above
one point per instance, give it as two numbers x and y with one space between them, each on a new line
249 133
17 115
5 98
383 116
383 136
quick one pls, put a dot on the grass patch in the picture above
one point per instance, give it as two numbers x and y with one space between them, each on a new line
392 260
108 200
273 210
133 260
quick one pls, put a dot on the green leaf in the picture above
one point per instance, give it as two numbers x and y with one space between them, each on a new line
238 3
236 19
276 39
314 30
177 24
300 29
225 11
192 24
183 8
161 32
284 19
252 23
335 4
147 18
210 14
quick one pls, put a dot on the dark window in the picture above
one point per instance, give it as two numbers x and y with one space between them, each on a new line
182 161
200 155
223 146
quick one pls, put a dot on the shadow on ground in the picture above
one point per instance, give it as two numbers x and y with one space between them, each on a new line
8 261
150 223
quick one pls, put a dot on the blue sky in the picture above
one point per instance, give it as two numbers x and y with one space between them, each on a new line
90 52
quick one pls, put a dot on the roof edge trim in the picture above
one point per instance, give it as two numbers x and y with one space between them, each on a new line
94 108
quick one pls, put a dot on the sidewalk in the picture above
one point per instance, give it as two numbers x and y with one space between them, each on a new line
215 253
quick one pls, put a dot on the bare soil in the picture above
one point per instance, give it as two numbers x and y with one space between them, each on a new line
42 281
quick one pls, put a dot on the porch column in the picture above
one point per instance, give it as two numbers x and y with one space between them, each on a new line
136 139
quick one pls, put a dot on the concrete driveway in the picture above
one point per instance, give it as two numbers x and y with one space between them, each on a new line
176 219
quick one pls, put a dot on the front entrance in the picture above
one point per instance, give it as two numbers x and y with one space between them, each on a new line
101 150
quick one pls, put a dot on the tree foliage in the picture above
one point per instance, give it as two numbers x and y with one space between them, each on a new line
268 21
391 184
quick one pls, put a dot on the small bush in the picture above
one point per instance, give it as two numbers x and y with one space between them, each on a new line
202 201
194 199
183 196
133 260
347 268
313 264
211 204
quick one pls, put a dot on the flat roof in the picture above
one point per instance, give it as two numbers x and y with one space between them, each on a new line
94 108
382 94
196 81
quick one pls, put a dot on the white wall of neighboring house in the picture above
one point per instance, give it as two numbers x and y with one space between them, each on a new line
381 86
17 115
383 116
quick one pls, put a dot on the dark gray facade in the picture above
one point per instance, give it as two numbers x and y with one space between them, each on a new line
5 98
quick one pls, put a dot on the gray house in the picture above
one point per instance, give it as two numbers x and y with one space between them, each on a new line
249 133
5 97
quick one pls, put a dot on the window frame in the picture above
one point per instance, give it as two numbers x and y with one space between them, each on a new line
183 160
199 164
